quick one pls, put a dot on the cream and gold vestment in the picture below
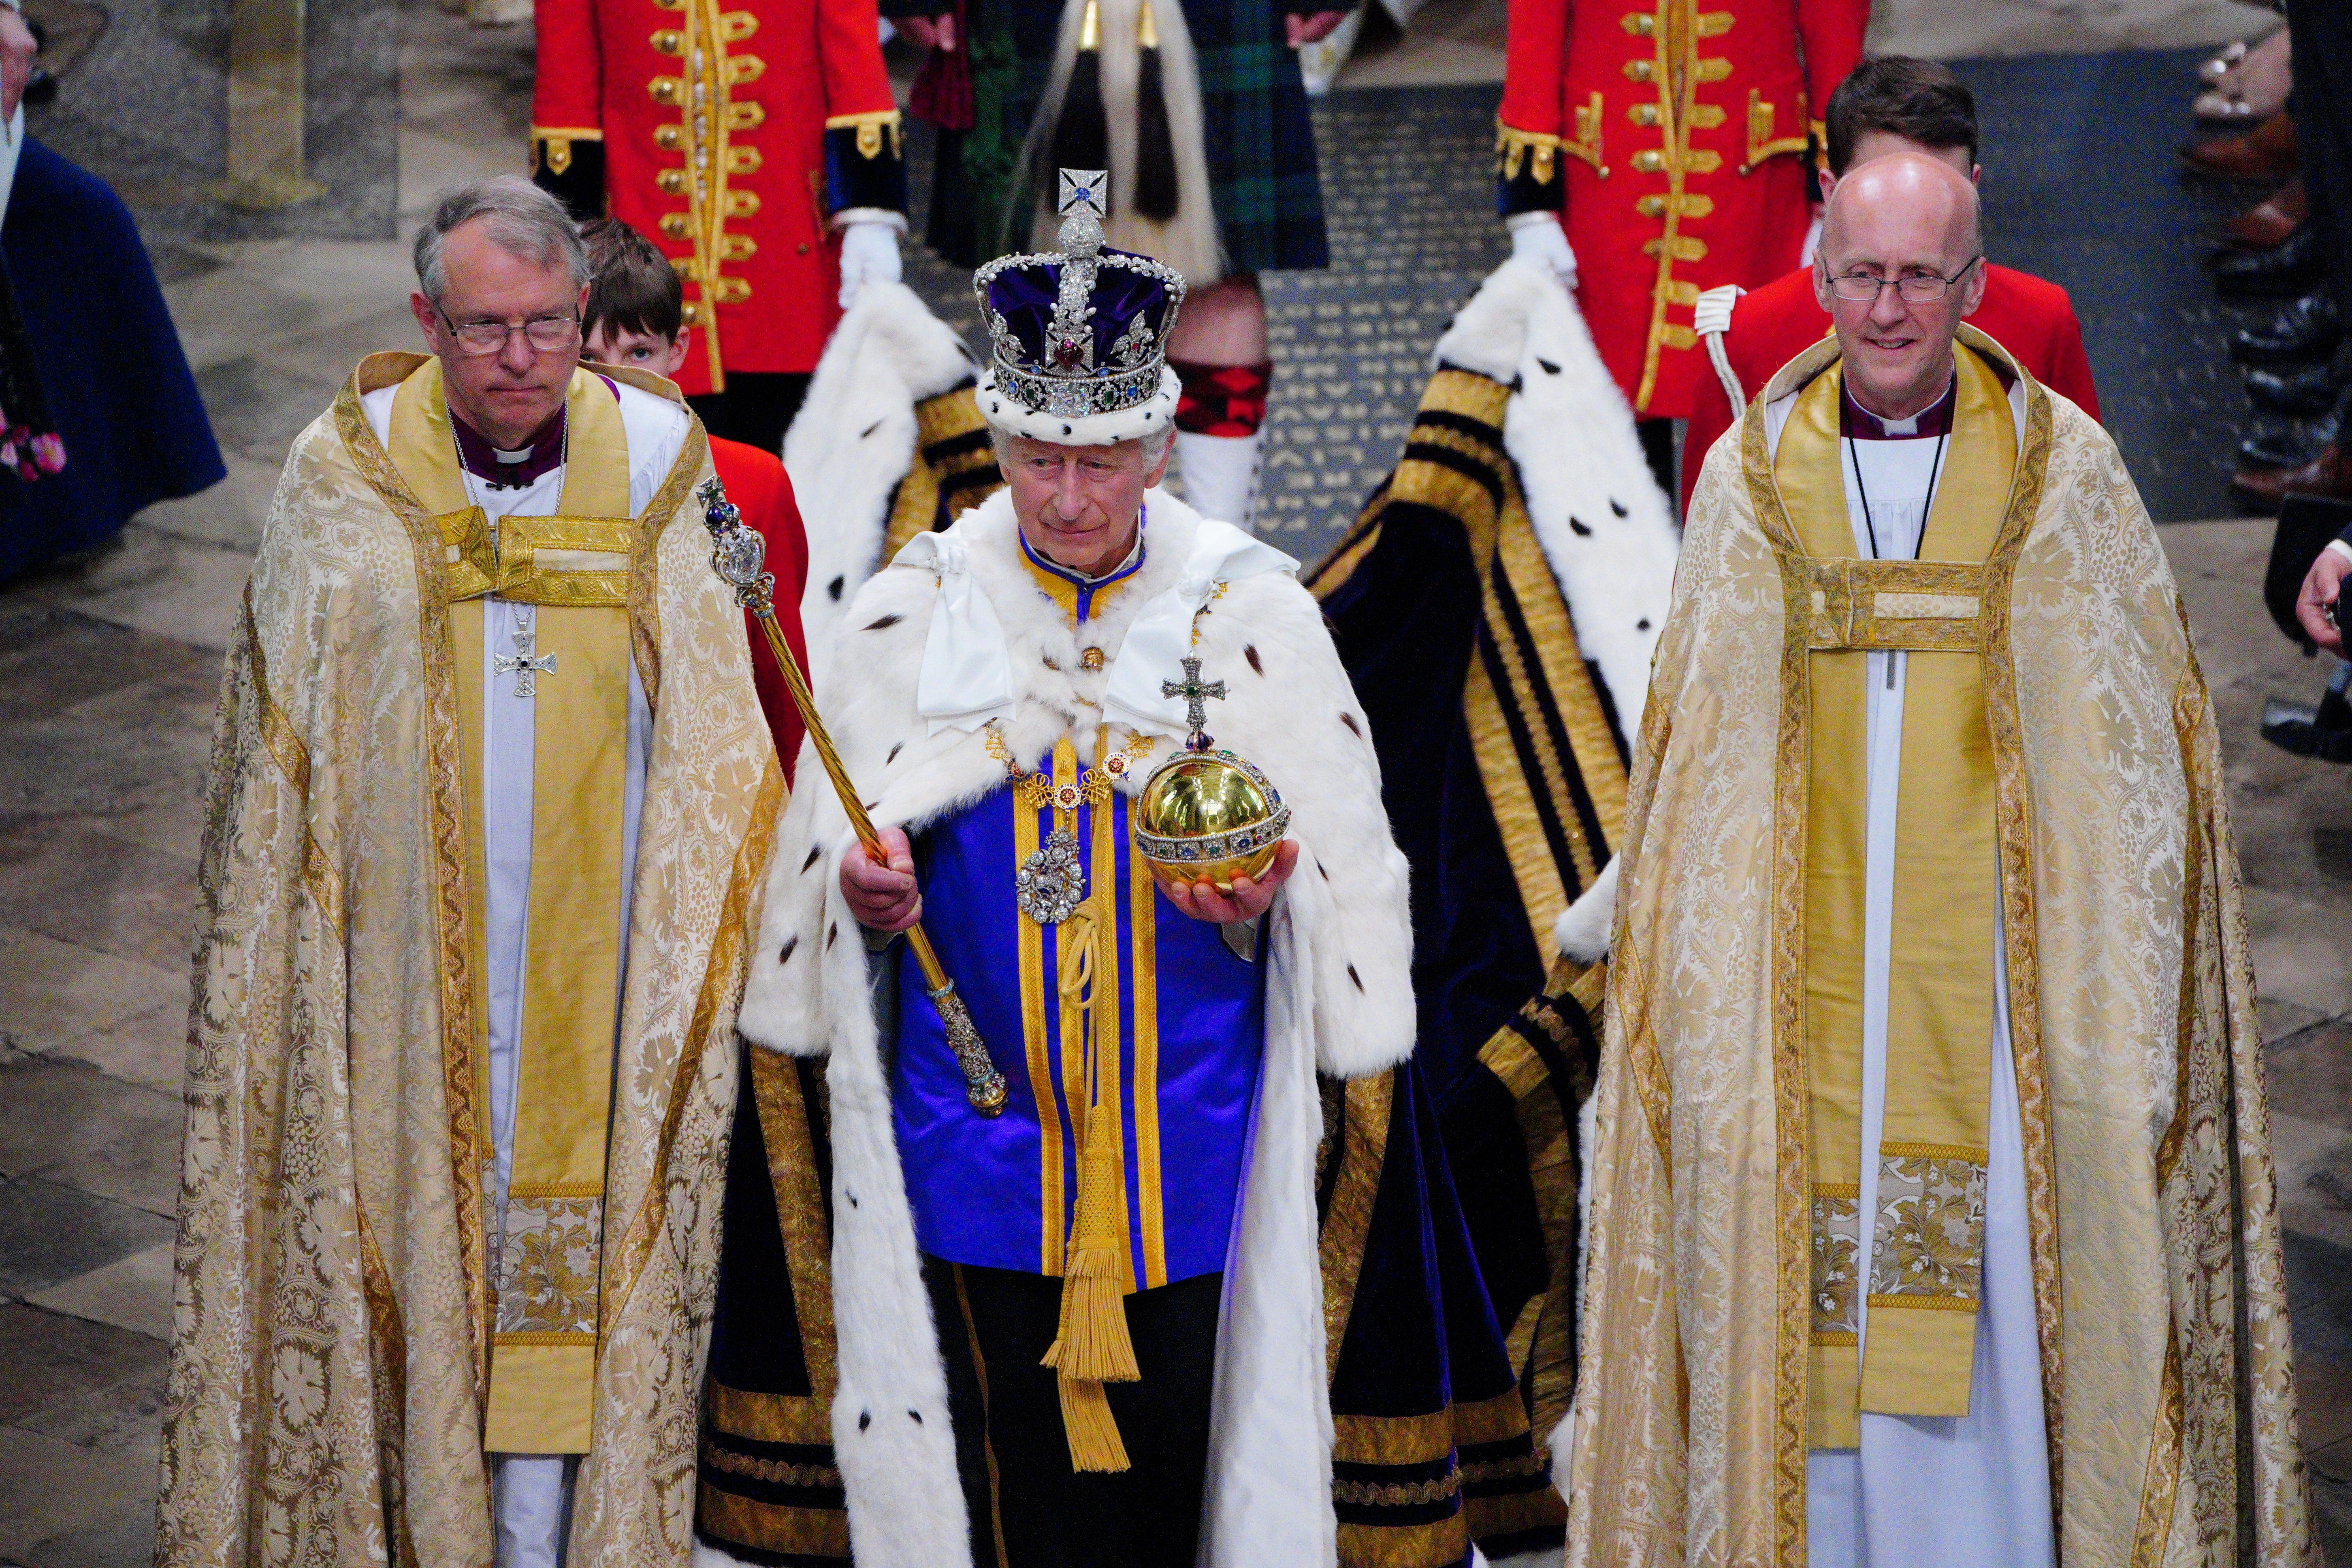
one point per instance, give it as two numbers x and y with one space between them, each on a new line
338 1327
2159 1297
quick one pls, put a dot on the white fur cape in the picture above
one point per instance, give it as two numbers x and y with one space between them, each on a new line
855 439
1339 1000
1608 532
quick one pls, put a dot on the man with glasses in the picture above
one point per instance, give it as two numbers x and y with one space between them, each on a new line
1933 1211
488 809
1895 104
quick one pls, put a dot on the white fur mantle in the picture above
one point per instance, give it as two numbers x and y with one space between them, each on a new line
1608 532
1339 999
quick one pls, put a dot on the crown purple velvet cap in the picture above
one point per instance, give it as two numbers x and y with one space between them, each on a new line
1078 337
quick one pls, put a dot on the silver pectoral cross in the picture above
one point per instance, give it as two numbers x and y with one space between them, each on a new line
526 663
1196 693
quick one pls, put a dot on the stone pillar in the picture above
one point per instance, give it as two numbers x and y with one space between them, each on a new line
265 108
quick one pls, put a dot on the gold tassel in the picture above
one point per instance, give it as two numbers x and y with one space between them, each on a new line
1087 1421
1092 1345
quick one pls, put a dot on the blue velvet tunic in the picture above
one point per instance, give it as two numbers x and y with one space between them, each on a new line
1000 1192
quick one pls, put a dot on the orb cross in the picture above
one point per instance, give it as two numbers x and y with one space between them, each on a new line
1196 693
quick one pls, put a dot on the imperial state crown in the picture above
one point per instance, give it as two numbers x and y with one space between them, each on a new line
1078 337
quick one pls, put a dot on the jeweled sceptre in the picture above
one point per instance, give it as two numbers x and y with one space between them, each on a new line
738 555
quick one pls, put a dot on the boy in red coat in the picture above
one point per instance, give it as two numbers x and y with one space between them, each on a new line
1891 105
636 319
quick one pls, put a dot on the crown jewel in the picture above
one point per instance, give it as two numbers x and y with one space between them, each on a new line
1081 332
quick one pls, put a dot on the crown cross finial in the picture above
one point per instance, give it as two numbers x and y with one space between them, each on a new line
1196 693
1086 189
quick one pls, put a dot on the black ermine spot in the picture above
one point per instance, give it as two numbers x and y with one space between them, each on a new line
1616 506
865 1419
916 1416
1249 652
830 932
894 754
1549 368
785 955
833 589
1350 720
1643 624
814 855
885 622
1577 527
869 429
1321 873
1355 977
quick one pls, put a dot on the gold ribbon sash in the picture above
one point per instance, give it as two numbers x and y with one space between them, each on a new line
1925 1261
575 567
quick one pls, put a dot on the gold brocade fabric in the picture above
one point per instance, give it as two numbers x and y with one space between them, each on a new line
330 1346
1918 1263
2159 1295
547 1253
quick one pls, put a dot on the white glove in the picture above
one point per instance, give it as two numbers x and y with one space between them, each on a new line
869 251
1536 236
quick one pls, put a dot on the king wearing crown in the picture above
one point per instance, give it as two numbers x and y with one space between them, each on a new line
1191 1287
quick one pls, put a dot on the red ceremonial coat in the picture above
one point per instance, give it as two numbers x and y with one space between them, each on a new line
2031 318
1672 141
757 484
735 192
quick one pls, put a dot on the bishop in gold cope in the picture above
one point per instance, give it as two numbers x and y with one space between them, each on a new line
489 804
1932 1067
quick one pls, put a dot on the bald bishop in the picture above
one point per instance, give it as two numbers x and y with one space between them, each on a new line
1933 1216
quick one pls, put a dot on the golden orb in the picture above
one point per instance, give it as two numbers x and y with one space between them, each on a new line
1208 816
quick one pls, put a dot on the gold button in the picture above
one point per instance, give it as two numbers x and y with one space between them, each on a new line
1640 24
670 181
804 247
668 137
667 90
673 225
1641 70
669 41
1092 658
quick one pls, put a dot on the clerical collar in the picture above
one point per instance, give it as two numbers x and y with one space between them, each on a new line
1856 423
539 457
1073 590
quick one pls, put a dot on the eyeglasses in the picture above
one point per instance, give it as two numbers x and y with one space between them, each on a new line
1917 289
547 334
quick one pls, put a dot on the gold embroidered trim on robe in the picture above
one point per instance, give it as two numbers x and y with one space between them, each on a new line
575 567
1925 1240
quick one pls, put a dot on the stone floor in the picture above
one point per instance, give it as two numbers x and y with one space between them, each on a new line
106 677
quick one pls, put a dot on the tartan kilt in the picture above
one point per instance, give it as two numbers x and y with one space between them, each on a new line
1263 180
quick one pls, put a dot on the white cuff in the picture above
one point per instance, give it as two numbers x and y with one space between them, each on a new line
896 222
2341 548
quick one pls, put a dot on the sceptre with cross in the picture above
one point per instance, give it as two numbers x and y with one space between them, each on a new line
738 555
1196 693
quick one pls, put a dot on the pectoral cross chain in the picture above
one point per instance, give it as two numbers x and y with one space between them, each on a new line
526 663
1196 693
